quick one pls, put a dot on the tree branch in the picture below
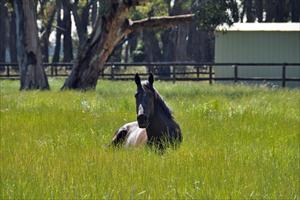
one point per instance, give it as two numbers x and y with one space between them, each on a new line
154 22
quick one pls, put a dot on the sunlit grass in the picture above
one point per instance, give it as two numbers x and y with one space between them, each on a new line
240 142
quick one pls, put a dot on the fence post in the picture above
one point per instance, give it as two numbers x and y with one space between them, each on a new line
210 74
174 73
148 68
283 74
198 70
112 75
56 66
235 73
7 71
102 73
52 70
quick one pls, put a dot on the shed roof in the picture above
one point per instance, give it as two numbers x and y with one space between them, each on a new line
260 27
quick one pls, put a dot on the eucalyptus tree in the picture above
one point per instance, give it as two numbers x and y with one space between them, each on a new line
111 27
3 28
29 55
46 15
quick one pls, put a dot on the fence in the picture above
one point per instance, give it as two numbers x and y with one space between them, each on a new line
168 71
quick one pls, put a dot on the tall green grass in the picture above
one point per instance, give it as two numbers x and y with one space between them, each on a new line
240 142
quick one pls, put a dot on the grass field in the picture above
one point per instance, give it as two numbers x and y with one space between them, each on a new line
240 142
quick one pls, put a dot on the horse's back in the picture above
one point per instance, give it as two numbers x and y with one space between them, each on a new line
130 135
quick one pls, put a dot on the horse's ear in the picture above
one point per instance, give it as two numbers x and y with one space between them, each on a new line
137 79
151 79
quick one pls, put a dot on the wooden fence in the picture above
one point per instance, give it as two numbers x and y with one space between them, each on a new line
176 71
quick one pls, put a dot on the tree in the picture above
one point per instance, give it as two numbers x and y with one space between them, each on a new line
111 28
248 7
295 10
3 28
81 17
58 34
32 74
259 10
47 14
211 13
12 38
66 26
152 49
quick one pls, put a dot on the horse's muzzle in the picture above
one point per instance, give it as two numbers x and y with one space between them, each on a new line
142 121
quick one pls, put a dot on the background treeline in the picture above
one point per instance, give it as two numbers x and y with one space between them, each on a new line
186 42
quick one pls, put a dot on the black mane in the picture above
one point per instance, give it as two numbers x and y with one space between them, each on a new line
160 102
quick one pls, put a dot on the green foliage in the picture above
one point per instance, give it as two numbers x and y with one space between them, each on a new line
138 55
211 13
82 3
239 142
46 10
153 8
187 4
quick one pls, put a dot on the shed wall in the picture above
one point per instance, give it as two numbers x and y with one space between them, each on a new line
258 47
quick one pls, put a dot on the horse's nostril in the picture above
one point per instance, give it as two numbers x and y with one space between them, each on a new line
142 120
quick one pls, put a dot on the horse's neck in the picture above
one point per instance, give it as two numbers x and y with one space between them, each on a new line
159 123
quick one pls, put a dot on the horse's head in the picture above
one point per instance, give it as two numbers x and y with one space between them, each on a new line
145 97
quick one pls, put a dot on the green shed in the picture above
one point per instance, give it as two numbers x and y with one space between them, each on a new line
258 43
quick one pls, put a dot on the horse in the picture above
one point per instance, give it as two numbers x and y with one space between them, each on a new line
155 124
130 135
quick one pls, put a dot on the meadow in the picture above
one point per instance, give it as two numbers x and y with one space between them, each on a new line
239 142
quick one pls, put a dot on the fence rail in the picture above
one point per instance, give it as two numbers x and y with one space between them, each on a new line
176 71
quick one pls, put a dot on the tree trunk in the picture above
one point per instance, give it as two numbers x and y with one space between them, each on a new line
81 21
46 31
259 10
199 45
167 52
3 30
67 25
234 10
111 28
92 57
56 55
280 10
168 46
295 10
152 49
116 55
94 13
270 10
12 38
32 74
248 6
132 42
181 43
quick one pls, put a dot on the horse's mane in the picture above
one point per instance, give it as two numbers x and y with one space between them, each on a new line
160 102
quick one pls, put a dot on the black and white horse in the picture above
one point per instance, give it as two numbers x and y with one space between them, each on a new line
155 124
